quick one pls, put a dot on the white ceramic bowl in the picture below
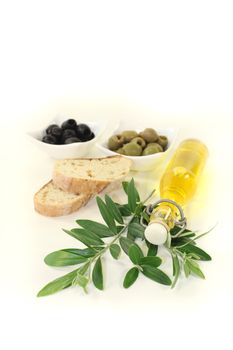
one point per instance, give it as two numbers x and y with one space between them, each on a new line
72 150
141 163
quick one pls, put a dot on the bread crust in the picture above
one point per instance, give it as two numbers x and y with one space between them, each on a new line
81 185
59 209
74 185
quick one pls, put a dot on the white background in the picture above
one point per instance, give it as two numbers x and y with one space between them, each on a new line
165 62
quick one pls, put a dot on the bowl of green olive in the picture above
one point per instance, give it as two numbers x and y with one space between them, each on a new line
146 147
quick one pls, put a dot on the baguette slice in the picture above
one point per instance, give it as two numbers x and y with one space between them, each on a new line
89 175
52 201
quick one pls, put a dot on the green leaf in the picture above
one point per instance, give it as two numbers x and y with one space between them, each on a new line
125 243
115 250
136 230
195 268
125 185
146 217
106 214
186 269
177 229
58 284
180 241
133 196
81 281
156 275
189 248
97 275
63 258
86 237
139 209
154 261
99 229
86 253
152 249
112 207
188 234
176 269
119 228
135 253
129 236
174 263
193 256
83 269
130 277
124 209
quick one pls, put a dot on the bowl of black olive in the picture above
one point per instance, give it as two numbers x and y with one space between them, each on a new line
146 146
66 137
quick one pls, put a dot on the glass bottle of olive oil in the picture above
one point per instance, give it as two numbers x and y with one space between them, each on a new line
178 183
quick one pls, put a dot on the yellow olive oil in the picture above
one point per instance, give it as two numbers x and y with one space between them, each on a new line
178 183
180 179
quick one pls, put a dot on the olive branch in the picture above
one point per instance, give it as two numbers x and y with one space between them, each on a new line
120 232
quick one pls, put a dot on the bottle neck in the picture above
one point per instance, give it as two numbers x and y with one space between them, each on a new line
166 214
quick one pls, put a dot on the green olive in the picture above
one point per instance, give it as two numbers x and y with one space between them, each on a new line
149 135
120 150
162 141
140 141
129 135
132 149
115 142
155 145
152 148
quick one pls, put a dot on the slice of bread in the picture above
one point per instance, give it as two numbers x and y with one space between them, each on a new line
52 201
89 175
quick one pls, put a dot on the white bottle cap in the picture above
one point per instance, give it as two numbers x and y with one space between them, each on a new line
156 233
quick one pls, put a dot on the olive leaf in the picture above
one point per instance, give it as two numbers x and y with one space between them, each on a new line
95 227
152 249
135 253
130 277
106 214
124 209
86 237
186 269
189 248
125 185
195 268
146 217
115 250
136 230
176 269
58 284
97 275
86 252
156 275
133 196
81 281
114 210
63 258
154 261
125 243
176 229
181 241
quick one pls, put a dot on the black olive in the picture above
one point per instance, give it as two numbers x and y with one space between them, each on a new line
69 124
50 128
88 138
67 134
56 132
83 132
71 140
49 139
